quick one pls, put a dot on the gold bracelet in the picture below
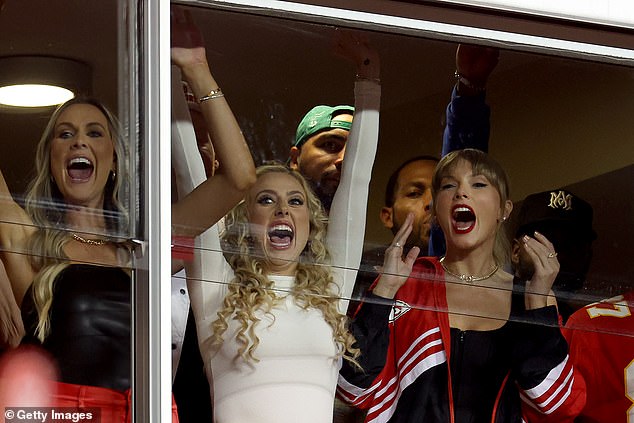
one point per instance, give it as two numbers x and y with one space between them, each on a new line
212 94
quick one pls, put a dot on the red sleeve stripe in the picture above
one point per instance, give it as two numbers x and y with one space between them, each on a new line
350 391
409 362
554 407
383 410
417 341
425 352
553 390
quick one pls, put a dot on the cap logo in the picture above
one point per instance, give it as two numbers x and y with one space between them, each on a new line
313 120
560 200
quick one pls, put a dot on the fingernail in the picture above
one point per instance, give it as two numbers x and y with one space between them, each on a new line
537 233
525 239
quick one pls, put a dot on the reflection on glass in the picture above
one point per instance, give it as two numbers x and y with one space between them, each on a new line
532 132
550 121
64 225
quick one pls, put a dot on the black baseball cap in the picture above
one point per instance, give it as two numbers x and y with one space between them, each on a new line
558 207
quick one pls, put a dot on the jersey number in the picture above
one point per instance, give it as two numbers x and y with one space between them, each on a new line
620 311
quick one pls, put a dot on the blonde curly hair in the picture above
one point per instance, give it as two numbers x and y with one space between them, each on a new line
251 291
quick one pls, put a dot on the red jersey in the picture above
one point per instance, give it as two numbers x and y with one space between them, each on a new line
601 338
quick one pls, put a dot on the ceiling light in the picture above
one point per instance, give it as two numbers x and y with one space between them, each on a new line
40 81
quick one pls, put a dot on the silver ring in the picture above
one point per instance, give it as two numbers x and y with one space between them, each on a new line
551 255
397 245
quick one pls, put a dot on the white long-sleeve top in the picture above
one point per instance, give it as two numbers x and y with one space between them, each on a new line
296 375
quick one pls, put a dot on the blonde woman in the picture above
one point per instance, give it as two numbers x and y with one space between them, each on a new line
270 322
270 318
461 340
68 270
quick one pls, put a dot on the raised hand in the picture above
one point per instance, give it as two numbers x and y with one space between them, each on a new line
355 47
546 267
476 63
187 41
396 268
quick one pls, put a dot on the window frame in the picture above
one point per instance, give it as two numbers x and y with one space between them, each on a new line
149 114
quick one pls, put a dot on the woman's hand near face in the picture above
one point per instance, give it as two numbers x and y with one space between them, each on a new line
397 269
546 267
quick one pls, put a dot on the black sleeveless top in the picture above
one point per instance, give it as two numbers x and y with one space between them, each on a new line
480 360
90 326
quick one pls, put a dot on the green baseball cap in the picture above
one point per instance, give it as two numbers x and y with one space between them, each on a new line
319 119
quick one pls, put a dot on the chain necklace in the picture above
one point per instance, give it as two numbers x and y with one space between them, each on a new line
469 278
88 240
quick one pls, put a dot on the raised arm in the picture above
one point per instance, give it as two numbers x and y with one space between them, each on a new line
468 116
346 227
211 200
16 227
206 267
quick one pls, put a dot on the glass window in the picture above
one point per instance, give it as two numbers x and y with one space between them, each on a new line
554 127
559 100
70 207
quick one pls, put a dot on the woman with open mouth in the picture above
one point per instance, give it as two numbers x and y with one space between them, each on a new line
66 253
461 340
271 320
270 302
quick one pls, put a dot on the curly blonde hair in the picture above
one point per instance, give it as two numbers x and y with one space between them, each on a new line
45 205
251 290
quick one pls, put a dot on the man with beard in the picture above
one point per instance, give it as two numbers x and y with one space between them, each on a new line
566 220
409 191
320 144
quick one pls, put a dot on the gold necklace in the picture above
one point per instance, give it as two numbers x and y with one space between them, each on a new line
87 240
469 278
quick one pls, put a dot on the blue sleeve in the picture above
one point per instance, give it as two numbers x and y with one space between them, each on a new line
468 123
468 126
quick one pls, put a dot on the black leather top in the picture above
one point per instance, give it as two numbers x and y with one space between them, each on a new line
90 326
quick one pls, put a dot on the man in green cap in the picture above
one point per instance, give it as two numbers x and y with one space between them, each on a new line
320 144
322 134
